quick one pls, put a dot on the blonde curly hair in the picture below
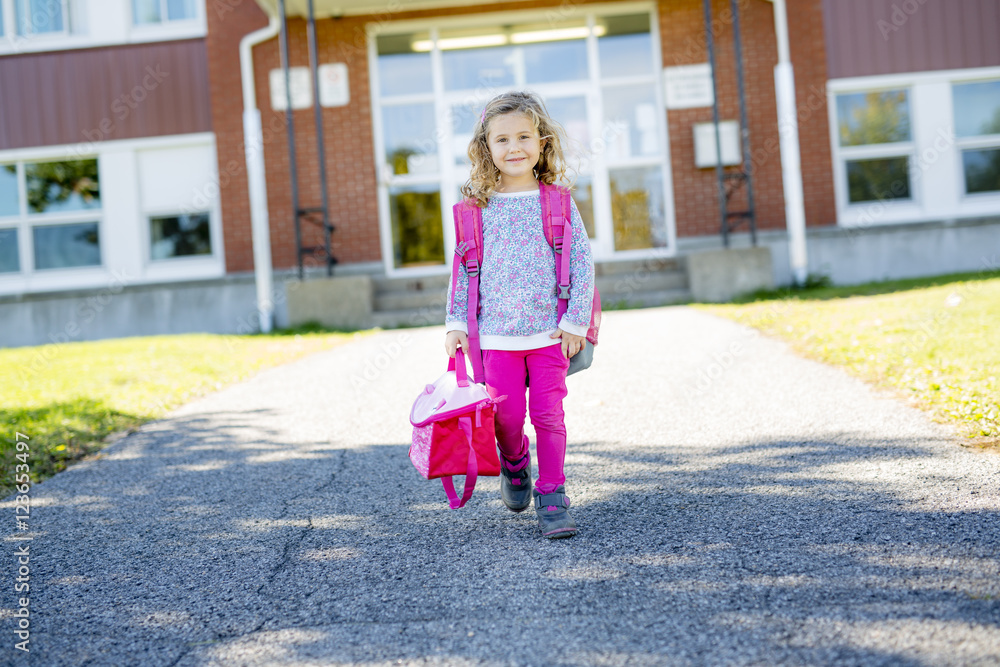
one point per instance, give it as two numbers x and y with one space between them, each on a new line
551 165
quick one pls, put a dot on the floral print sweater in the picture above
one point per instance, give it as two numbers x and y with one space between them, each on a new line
517 280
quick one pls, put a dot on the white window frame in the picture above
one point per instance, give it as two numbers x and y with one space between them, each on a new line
123 221
192 266
96 23
64 6
26 222
937 178
167 28
603 247
164 11
9 31
984 141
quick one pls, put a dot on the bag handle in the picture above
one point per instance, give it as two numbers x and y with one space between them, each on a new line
471 470
457 364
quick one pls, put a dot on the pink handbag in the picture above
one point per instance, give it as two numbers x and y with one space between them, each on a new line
453 431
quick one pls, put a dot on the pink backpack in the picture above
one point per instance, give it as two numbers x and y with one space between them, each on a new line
557 223
453 431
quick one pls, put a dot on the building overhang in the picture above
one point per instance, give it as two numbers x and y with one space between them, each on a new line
334 8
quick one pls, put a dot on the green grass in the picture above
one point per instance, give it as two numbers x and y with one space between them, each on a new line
933 341
69 398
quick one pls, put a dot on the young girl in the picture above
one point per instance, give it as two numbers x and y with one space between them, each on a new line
515 146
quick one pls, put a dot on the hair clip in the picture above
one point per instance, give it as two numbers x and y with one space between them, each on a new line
482 117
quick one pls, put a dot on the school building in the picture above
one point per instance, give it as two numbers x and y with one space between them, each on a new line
153 181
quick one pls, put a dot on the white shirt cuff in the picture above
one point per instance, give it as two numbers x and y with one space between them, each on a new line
575 329
457 326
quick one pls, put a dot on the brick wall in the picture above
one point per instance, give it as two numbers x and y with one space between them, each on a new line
225 29
348 130
684 42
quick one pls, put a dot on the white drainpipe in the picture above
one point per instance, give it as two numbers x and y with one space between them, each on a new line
791 162
253 138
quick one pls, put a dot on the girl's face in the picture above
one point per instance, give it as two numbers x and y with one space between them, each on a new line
514 146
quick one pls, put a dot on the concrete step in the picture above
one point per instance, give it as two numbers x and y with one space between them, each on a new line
640 266
409 317
385 301
411 302
637 268
652 299
434 315
642 281
614 289
427 283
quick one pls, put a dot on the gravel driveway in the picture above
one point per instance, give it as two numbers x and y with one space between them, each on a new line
738 505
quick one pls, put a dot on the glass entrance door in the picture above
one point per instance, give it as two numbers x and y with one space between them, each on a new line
597 76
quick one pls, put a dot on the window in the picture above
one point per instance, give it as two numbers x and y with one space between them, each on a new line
875 144
977 130
9 257
625 46
38 17
597 73
8 190
878 179
408 132
146 12
916 147
416 220
180 236
62 186
66 246
402 70
634 144
637 205
57 214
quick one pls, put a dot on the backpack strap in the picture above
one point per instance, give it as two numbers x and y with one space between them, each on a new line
558 226
469 251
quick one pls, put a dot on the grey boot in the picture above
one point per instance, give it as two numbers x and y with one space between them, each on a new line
515 487
553 514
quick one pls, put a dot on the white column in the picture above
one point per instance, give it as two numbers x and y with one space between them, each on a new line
260 226
791 163
253 142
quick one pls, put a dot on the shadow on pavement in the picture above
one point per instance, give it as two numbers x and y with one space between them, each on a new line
198 544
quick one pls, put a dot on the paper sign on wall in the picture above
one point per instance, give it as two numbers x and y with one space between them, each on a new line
301 88
688 86
333 85
705 154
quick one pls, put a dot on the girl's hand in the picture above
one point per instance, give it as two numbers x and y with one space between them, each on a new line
453 340
571 344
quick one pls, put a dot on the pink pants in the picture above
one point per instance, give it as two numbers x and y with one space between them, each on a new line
508 373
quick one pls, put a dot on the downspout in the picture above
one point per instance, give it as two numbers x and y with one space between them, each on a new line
253 142
791 160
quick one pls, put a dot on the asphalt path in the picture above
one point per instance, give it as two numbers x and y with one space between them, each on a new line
737 504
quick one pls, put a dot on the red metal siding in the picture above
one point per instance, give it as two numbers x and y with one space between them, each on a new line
88 95
869 37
